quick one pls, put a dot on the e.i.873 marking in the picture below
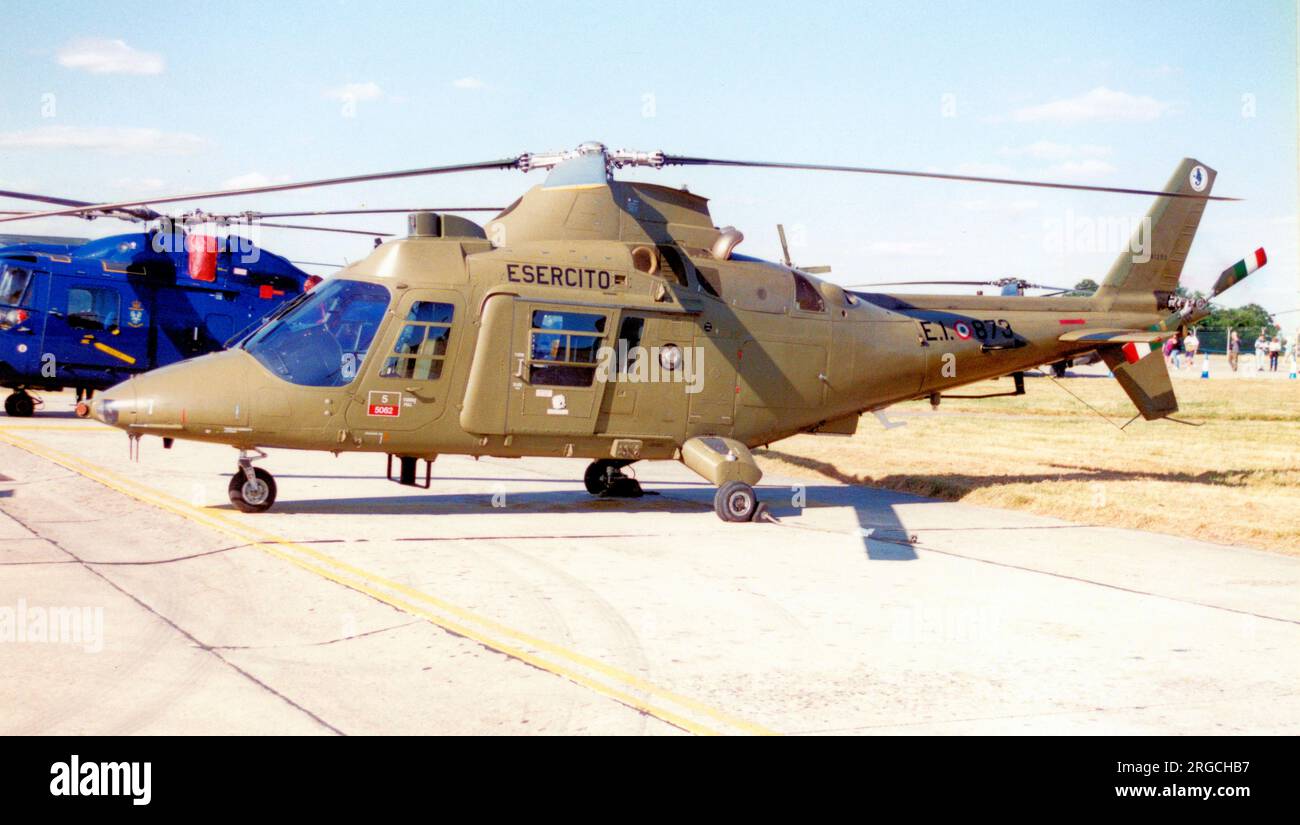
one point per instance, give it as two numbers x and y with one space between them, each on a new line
964 330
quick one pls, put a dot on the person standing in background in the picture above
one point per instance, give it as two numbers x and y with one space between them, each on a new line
1261 349
1192 344
1234 349
1274 353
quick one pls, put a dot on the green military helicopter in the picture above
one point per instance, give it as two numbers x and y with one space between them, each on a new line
612 320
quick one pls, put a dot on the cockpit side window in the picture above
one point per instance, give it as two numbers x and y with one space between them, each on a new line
807 296
13 285
422 344
323 341
93 307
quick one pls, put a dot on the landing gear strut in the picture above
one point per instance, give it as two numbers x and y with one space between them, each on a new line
20 405
605 478
252 489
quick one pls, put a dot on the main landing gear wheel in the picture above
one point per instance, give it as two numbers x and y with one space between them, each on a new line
735 501
20 405
605 478
254 495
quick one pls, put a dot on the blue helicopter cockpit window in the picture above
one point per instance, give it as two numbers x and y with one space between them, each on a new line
13 285
323 340
93 307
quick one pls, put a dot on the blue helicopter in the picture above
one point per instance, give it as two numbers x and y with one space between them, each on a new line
88 314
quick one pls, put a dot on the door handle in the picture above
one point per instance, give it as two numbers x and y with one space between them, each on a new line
415 391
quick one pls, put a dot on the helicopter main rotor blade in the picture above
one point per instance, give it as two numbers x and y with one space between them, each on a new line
1003 282
924 283
260 215
684 160
504 163
326 229
138 213
28 196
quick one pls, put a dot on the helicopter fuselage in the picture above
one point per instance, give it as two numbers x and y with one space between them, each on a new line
570 348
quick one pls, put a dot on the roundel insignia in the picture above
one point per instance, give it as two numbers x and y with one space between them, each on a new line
1198 178
962 329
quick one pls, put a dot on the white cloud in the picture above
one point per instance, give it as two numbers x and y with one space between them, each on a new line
468 83
1047 150
1100 104
250 180
102 56
102 138
355 92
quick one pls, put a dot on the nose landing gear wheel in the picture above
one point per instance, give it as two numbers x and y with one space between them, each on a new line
605 478
735 501
252 496
20 405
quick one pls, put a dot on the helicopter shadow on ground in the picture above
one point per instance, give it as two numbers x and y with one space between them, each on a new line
876 524
969 482
502 479
883 536
498 502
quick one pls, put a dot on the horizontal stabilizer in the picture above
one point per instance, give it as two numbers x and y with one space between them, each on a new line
1145 380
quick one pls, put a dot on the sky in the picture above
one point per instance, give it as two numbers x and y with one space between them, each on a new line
113 101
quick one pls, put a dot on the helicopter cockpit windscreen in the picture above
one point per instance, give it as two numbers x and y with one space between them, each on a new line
13 285
323 340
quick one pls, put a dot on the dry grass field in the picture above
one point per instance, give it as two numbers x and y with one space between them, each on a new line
1235 479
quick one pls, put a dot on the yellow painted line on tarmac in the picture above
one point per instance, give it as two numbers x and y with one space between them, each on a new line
368 583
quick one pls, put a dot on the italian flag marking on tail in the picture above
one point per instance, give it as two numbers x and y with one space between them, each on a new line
1134 352
1250 263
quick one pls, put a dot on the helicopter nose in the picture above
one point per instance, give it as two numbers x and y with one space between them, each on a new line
111 404
200 396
